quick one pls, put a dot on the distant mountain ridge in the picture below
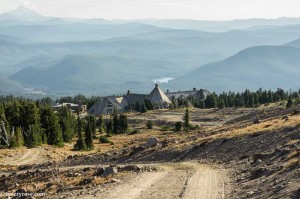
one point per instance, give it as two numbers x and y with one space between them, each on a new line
23 14
269 67
65 55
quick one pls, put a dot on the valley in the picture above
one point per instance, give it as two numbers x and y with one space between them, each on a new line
62 56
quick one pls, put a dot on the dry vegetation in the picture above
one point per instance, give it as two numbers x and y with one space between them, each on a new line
257 154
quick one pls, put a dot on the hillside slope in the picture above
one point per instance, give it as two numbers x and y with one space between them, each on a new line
9 86
264 66
105 75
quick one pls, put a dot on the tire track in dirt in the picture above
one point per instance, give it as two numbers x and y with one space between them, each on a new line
177 180
32 156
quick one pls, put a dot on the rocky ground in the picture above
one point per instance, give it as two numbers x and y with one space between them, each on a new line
249 154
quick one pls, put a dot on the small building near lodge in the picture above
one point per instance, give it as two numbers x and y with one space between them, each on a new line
106 105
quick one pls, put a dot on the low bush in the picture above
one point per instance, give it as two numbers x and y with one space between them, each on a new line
135 131
149 124
104 139
178 126
165 128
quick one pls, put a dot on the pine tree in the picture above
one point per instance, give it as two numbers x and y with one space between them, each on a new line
109 126
149 124
30 124
289 102
148 104
13 140
101 124
186 119
50 124
221 104
116 125
19 137
80 144
143 108
67 123
137 106
123 123
89 134
178 126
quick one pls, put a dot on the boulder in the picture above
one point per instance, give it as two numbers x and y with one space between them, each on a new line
259 172
261 156
110 171
151 142
132 168
100 170
87 169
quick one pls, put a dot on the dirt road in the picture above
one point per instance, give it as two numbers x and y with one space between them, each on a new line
31 156
181 180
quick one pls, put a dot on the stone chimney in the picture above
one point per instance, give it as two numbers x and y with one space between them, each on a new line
194 89
128 92
156 85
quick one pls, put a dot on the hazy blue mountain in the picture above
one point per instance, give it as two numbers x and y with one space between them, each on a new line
23 14
96 55
186 48
295 43
92 74
74 31
218 26
263 66
8 86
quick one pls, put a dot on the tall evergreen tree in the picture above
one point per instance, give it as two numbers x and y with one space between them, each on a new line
101 126
110 126
89 135
67 123
123 123
143 108
50 124
115 122
80 143
186 118
289 102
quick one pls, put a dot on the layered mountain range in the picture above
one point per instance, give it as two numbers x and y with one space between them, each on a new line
62 56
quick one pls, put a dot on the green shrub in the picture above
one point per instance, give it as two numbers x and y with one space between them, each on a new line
178 126
135 131
166 128
104 139
149 124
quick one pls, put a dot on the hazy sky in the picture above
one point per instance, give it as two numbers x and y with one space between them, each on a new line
134 9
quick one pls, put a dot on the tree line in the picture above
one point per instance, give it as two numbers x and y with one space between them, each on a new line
239 99
24 122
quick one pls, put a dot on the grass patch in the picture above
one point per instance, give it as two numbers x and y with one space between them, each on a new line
293 154
292 163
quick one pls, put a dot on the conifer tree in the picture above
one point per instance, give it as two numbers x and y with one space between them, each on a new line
101 124
289 102
143 108
50 124
123 123
89 133
109 126
19 137
30 124
116 126
186 119
80 144
67 123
